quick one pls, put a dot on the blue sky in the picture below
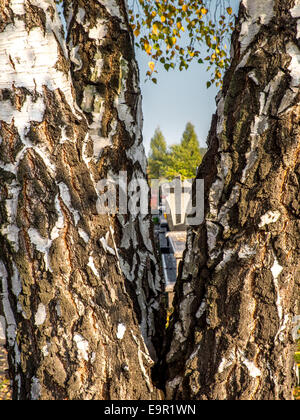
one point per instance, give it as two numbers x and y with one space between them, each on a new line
178 97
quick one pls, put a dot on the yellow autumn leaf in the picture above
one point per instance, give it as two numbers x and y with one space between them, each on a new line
229 10
147 48
155 29
151 65
203 11
163 19
185 7
153 13
179 25
136 32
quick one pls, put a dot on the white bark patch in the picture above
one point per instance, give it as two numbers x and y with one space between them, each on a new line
121 331
259 13
276 270
42 245
296 328
99 31
17 6
220 112
12 234
34 56
295 11
11 230
107 248
212 233
75 58
201 310
142 354
66 197
234 357
174 383
41 315
82 346
244 60
16 281
227 256
124 110
269 217
2 327
216 189
132 119
92 266
144 225
246 251
226 362
223 216
45 349
113 9
112 233
80 15
83 235
280 333
294 67
30 111
35 389
60 220
136 153
11 326
252 76
93 103
269 91
253 370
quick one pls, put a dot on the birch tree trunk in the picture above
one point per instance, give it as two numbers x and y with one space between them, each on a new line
238 293
106 80
71 327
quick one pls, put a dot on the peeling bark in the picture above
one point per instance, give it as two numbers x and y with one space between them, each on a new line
71 328
238 290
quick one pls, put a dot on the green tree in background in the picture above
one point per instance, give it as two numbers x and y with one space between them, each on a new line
184 158
158 155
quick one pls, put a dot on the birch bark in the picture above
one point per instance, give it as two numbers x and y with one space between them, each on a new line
238 292
71 328
106 81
